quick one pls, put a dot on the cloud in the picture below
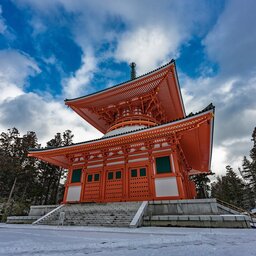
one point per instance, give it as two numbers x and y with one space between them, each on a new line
15 68
149 40
232 41
3 27
149 47
78 84
29 111
47 117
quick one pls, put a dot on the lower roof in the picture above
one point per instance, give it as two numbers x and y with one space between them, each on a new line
195 134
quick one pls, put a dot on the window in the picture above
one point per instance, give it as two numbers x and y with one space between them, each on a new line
110 176
76 175
143 172
134 173
96 177
163 165
89 178
118 175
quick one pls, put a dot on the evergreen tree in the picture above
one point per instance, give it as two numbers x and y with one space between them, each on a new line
17 171
248 172
202 182
229 188
51 175
25 180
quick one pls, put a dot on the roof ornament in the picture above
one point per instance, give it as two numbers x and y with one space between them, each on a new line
133 70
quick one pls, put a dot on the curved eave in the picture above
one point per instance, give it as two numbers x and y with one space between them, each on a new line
169 96
126 83
195 132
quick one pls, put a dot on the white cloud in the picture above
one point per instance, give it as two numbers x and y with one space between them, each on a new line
47 117
3 27
149 47
152 32
78 84
29 111
232 41
15 67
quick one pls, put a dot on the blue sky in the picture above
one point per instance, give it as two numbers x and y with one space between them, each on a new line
52 50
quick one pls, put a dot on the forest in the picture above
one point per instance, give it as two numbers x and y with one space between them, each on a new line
26 181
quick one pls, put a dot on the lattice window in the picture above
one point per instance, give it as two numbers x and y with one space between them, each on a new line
89 178
163 165
76 175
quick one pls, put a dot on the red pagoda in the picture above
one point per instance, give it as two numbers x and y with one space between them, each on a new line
150 147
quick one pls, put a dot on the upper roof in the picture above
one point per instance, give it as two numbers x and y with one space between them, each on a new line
163 80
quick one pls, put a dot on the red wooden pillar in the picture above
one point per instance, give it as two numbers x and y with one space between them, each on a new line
178 172
83 178
125 150
103 178
67 180
149 146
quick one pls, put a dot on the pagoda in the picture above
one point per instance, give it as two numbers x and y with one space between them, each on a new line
149 150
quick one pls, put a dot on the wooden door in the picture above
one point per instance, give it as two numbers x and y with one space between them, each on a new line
139 183
92 187
114 185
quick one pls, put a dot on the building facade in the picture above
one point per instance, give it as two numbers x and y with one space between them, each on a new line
149 149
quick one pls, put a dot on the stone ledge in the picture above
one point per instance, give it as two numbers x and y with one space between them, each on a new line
198 221
22 217
218 218
185 201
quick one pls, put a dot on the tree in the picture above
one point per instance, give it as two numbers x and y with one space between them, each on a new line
17 171
25 180
248 172
202 182
51 175
229 188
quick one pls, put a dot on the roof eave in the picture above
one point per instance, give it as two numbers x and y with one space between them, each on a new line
67 101
124 134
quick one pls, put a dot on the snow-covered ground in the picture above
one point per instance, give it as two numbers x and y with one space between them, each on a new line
46 240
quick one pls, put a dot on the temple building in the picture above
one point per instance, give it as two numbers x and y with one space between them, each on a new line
149 149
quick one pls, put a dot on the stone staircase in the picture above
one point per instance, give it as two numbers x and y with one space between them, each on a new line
92 214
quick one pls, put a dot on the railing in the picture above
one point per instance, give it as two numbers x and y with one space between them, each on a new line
236 208
47 215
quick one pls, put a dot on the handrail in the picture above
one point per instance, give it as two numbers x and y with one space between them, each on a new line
48 214
236 208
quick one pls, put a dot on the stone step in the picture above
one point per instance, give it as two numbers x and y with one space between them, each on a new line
111 214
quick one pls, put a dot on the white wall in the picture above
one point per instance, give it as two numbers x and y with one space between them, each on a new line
166 187
74 193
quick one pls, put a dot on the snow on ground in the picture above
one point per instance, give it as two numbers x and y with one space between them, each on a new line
52 241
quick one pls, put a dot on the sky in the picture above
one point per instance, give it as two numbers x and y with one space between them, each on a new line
56 49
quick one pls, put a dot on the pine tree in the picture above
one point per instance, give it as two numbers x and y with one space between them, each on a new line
229 188
202 182
51 175
248 173
17 171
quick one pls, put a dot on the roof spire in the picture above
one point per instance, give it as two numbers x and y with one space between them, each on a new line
133 70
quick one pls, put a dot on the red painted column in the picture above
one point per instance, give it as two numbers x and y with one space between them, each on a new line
67 183
150 145
126 173
86 157
180 184
103 174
